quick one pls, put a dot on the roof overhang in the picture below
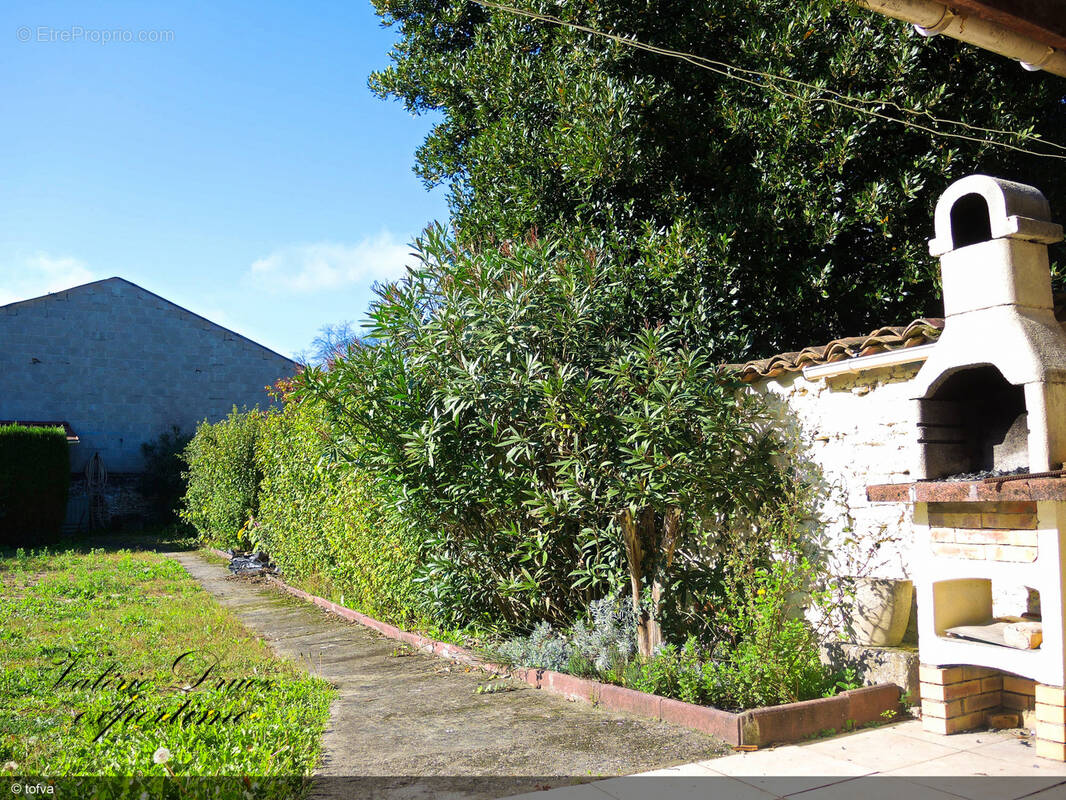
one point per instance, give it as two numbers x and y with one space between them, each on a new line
1030 31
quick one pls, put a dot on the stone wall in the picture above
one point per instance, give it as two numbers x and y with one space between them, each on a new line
122 365
854 430
860 429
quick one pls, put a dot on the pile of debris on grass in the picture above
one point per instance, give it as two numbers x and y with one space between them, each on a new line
254 563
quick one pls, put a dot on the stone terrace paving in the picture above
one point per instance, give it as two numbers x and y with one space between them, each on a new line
895 762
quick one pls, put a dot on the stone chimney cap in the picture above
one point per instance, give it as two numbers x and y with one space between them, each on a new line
979 208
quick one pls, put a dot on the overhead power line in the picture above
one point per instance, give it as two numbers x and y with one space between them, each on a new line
822 94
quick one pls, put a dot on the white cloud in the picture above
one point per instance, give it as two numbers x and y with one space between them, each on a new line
39 274
329 265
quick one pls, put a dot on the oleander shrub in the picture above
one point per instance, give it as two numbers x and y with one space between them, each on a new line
34 483
223 478
555 443
324 523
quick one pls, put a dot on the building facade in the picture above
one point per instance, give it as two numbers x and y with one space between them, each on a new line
122 365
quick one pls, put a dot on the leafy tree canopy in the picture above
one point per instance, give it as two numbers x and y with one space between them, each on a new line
799 220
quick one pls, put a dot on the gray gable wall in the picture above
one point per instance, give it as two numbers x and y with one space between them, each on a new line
121 365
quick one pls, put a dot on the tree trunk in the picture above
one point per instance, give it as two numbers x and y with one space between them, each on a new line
635 557
646 550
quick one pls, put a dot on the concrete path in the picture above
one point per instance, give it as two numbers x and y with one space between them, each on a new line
895 762
400 714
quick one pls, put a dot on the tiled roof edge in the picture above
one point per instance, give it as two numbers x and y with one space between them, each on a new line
924 330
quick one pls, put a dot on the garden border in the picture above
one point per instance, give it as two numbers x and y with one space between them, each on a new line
758 727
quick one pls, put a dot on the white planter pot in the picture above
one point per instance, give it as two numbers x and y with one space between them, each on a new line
880 612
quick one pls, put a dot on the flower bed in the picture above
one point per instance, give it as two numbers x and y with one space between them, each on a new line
759 727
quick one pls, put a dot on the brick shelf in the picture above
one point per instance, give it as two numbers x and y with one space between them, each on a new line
968 491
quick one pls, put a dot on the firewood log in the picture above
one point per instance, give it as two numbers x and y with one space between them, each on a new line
1024 635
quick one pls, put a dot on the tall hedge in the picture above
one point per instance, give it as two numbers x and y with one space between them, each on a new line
223 480
34 482
266 481
324 524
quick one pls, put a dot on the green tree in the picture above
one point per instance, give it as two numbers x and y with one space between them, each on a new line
802 220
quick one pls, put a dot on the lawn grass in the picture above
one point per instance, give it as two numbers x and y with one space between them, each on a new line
89 683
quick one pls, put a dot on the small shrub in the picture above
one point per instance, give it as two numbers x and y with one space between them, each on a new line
223 479
767 652
162 483
609 637
579 664
544 648
34 483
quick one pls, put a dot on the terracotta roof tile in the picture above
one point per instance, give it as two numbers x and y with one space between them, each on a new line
919 332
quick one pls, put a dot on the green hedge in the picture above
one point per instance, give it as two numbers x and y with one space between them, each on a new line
34 482
324 525
223 479
262 480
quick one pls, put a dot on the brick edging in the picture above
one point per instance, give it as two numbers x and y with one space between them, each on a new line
760 726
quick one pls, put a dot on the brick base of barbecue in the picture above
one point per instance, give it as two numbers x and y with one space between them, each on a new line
984 531
962 698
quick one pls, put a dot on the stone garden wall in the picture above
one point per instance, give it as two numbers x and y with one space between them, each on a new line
854 430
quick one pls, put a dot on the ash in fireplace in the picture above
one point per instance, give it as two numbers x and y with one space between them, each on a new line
985 473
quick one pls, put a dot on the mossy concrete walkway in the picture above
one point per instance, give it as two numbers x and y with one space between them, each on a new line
399 713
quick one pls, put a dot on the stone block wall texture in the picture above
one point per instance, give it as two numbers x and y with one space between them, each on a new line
852 431
122 365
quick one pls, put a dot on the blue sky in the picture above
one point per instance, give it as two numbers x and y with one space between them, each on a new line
239 166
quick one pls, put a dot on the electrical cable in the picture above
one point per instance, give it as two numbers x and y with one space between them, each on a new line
768 82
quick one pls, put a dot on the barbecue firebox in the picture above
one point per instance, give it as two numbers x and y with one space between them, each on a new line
990 404
992 396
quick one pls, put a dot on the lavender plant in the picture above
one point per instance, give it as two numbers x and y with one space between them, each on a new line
609 638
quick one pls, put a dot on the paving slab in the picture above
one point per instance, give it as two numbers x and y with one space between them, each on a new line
878 751
407 715
956 741
872 789
988 788
644 788
900 761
